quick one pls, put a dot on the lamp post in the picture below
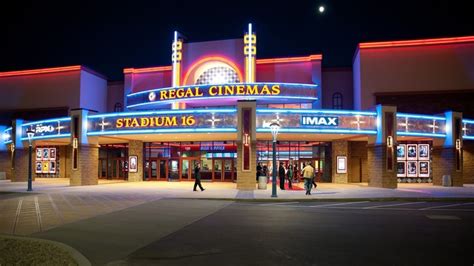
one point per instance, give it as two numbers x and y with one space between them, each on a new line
30 133
274 127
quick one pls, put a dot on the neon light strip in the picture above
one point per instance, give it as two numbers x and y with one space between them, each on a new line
468 121
146 70
39 71
49 137
174 58
8 141
290 59
47 121
464 137
249 60
206 85
417 42
189 111
418 134
148 131
312 111
225 97
429 117
316 130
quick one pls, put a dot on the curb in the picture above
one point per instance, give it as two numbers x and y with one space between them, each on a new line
338 199
76 255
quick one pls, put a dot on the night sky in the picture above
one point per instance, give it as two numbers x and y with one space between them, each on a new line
110 35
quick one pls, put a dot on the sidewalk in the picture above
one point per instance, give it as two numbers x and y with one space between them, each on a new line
218 190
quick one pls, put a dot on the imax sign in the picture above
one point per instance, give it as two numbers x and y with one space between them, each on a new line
319 121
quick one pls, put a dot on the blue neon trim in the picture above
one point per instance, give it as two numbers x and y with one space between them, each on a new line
222 97
49 137
468 121
188 111
8 142
464 137
418 134
147 131
208 85
317 130
47 121
315 111
429 117
7 129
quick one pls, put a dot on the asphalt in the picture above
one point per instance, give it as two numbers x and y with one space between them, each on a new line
201 232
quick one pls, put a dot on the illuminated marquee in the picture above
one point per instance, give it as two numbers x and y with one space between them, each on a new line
317 121
45 129
204 120
276 92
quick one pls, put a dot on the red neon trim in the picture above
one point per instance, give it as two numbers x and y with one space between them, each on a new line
39 71
290 59
212 58
145 70
417 42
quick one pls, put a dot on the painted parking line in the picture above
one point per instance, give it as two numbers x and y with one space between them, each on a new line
391 205
17 215
278 203
336 204
446 206
443 217
38 214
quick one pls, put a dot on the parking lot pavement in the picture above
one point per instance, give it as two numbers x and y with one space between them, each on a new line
24 214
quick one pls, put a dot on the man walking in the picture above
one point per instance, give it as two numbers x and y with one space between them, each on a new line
290 175
197 177
308 174
281 175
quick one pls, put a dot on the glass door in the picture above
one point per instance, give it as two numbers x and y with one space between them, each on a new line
217 170
173 169
185 169
163 169
228 167
153 169
103 168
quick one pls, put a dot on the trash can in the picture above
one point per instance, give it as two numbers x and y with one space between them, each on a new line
262 182
446 182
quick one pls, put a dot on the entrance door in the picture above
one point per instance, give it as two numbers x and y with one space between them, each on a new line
173 169
103 168
187 168
228 173
162 169
217 170
223 170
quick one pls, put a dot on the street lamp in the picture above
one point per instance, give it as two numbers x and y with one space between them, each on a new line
274 127
30 133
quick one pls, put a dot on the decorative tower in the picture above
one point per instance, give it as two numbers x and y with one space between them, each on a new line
250 52
176 57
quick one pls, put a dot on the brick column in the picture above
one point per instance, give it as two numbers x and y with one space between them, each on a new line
381 149
20 172
468 162
448 152
340 148
87 172
135 148
83 167
246 177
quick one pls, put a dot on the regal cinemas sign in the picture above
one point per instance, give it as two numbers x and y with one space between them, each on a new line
215 90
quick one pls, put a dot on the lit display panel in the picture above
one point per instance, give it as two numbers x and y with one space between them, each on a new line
468 129
317 121
421 125
48 129
7 135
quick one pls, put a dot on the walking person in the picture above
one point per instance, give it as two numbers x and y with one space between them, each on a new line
259 170
308 175
290 175
197 177
281 175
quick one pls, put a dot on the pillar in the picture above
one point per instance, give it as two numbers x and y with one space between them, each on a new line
246 145
135 148
84 164
448 152
381 149
19 155
340 149
468 162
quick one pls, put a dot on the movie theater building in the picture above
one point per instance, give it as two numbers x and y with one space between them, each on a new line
216 100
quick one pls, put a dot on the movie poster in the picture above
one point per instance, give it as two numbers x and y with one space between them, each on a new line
39 154
133 163
423 151
401 152
424 169
52 153
52 167
46 154
412 169
401 169
39 168
45 169
412 151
